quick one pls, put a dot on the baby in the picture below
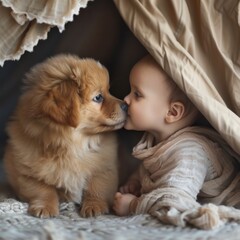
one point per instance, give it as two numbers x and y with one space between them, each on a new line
181 164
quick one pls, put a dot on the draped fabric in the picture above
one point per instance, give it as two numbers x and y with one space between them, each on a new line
24 23
197 44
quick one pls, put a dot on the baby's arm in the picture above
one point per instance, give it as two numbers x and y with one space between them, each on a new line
127 195
122 203
177 188
133 185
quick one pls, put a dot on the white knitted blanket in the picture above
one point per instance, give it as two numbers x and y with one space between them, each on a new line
16 224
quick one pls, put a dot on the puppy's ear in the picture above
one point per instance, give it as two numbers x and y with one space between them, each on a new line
61 104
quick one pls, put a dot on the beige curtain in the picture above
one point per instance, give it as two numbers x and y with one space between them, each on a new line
197 42
25 22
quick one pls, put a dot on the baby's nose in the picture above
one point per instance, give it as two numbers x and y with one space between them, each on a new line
124 107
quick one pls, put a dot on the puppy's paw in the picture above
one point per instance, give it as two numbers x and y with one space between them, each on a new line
44 211
93 208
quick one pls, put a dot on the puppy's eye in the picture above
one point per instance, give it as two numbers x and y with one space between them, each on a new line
99 98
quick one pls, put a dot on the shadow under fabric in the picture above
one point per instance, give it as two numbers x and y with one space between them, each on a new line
197 44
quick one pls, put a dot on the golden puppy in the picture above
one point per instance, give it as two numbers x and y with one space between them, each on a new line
61 141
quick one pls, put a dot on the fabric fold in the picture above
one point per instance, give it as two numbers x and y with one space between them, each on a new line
24 23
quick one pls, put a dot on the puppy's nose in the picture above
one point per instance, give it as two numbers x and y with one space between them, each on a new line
124 107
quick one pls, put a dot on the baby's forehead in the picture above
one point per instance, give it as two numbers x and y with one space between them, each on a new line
149 67
163 76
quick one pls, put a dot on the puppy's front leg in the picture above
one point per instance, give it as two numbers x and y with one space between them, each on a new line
98 197
42 198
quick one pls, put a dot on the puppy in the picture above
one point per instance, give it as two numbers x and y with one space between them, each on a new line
61 143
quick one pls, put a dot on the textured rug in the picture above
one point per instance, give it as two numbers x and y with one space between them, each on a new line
16 224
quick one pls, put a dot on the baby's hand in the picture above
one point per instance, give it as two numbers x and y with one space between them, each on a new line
121 203
133 187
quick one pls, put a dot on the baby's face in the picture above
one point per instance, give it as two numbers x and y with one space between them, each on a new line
148 100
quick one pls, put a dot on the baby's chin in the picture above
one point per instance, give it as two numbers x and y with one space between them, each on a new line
127 126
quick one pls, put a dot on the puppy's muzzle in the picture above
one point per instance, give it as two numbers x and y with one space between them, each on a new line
124 107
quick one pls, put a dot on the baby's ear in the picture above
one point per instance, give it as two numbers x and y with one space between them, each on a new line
61 104
175 113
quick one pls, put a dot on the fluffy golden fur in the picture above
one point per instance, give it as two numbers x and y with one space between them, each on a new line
61 142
